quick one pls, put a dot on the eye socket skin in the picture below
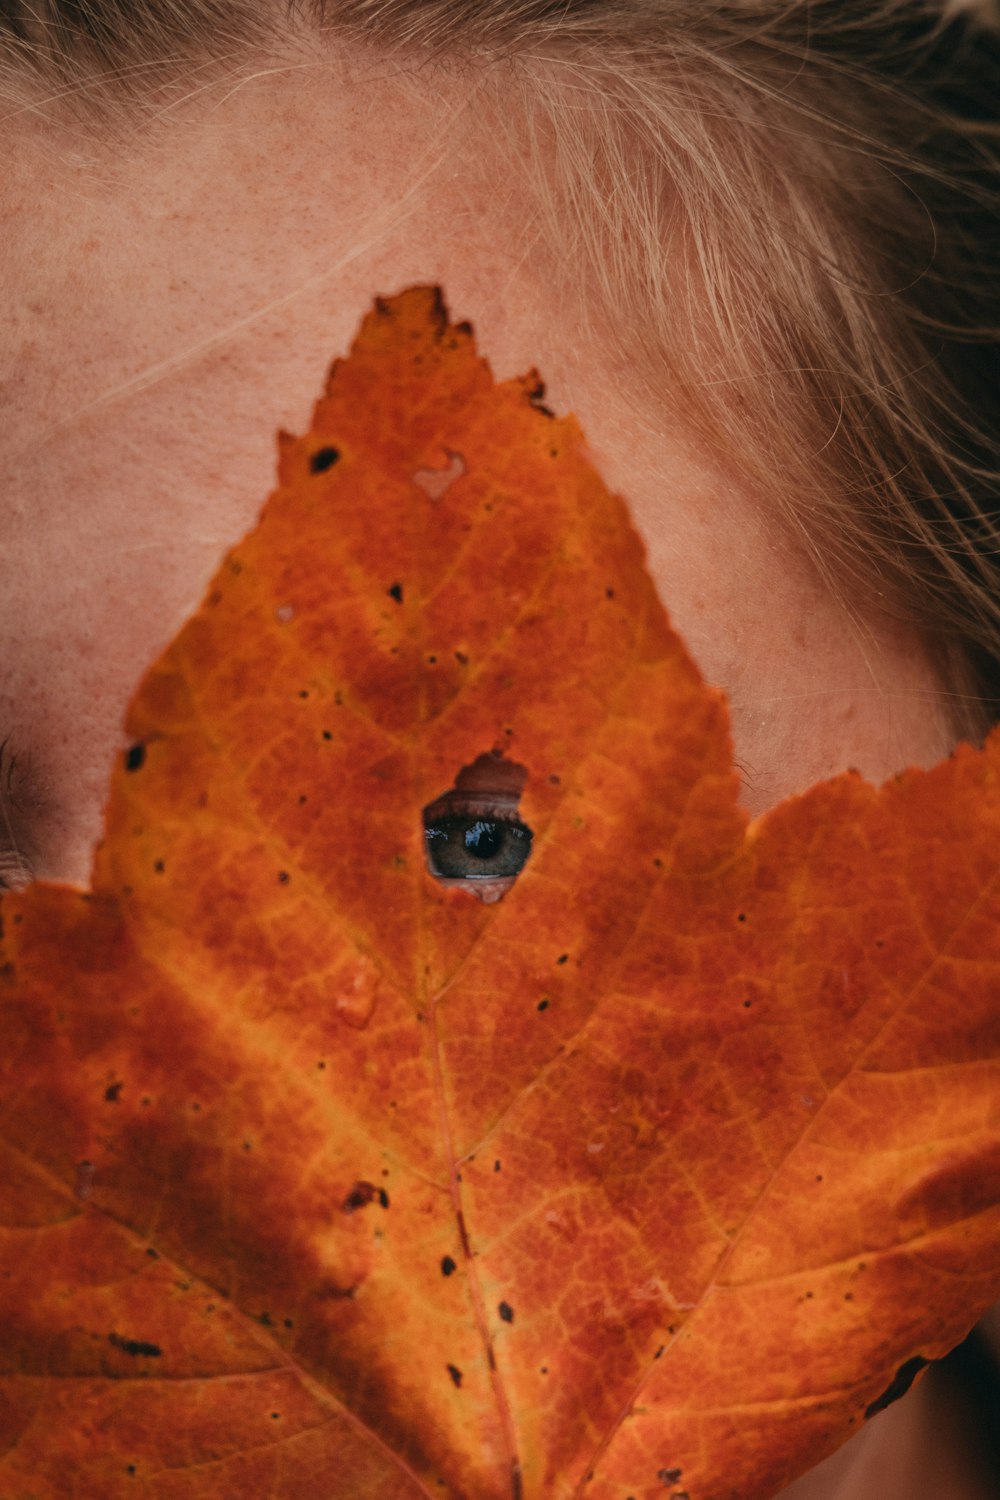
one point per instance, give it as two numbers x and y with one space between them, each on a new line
473 837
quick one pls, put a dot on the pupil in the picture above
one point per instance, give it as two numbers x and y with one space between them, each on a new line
484 839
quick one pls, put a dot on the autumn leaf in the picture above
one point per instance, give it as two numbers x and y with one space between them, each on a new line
651 1175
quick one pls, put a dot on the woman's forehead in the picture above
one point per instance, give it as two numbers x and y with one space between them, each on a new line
173 312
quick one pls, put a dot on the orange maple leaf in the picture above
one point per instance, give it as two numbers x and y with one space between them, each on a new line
321 1176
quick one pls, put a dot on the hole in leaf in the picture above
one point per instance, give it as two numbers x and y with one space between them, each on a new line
437 482
473 837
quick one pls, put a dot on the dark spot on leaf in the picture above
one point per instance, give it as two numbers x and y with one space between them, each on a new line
153 1254
742 917
448 1266
159 866
455 1374
535 394
898 1385
562 958
383 1197
288 1323
135 1346
747 1004
506 1312
135 755
327 735
543 1005
130 1468
669 1476
323 459
265 1319
496 1166
112 1092
395 591
461 658
609 593
659 1352
283 877
275 1415
303 692
360 1196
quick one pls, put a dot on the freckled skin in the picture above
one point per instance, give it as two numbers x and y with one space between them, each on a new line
164 322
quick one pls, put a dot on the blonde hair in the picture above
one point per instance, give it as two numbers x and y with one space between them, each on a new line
788 215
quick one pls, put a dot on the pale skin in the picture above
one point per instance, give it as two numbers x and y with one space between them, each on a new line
172 302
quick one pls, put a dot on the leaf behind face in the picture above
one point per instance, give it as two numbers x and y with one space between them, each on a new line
320 1174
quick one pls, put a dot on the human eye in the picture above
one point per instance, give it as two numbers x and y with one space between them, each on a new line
475 840
477 845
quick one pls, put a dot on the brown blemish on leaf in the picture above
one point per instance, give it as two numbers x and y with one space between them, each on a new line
361 1194
138 1348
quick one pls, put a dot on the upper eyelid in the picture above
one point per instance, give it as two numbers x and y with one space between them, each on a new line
499 806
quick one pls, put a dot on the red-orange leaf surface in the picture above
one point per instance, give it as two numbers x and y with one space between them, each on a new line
322 1178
